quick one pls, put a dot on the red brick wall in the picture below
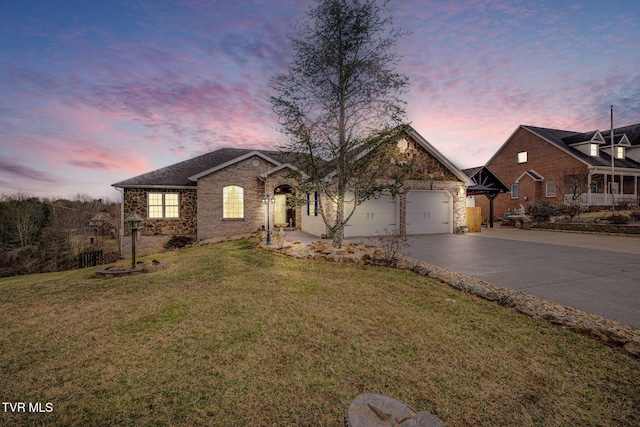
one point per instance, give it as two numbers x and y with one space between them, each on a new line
543 157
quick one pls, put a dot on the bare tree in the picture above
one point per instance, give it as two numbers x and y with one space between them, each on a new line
576 182
339 104
25 216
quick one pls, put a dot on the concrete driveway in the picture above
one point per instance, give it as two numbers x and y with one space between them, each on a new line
595 273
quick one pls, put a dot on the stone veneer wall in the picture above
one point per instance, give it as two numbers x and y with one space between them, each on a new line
146 245
135 200
211 224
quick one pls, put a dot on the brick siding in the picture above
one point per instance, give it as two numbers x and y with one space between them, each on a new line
546 159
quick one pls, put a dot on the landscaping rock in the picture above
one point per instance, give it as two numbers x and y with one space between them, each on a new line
632 348
370 410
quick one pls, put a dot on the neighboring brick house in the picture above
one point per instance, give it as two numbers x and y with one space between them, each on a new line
219 195
562 166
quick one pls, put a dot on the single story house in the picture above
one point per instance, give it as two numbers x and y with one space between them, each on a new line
560 166
219 195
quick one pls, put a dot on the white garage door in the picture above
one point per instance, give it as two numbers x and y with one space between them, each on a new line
429 212
372 217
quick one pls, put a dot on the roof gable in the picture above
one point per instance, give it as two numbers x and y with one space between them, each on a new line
484 181
531 174
593 137
439 156
232 162
568 141
179 175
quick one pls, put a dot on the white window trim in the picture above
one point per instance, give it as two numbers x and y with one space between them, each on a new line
224 206
523 157
518 187
619 152
164 206
594 150
549 193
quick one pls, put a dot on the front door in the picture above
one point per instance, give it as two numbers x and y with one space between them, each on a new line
280 214
284 212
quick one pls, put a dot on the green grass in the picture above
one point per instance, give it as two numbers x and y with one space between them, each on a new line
229 335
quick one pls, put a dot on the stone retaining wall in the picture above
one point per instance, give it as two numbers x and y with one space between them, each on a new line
585 227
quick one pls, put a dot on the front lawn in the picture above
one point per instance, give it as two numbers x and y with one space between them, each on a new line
229 335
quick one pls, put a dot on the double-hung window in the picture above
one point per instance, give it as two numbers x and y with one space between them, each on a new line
551 189
232 202
163 205
515 191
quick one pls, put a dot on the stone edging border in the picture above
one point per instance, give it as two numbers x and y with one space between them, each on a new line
616 334
110 272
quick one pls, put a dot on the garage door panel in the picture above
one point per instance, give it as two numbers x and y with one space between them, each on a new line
429 212
372 217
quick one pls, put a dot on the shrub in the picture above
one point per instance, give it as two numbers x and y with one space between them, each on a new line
572 210
619 219
635 216
177 242
391 243
542 211
625 205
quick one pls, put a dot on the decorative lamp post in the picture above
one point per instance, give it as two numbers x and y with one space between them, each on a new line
134 221
268 200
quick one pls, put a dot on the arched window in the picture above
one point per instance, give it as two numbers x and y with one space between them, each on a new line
232 202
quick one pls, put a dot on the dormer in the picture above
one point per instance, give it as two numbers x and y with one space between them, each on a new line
588 143
620 145
633 152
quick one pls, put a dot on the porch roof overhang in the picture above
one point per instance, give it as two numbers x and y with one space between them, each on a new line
616 170
476 190
484 182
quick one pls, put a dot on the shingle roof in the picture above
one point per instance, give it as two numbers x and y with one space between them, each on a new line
563 140
177 175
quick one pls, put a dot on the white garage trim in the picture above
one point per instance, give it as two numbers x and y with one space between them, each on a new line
429 212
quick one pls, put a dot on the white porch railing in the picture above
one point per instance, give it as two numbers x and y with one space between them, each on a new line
598 199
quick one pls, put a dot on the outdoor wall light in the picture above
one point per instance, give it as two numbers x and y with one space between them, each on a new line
268 200
134 220
461 192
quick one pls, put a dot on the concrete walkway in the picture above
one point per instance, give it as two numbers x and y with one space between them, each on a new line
598 274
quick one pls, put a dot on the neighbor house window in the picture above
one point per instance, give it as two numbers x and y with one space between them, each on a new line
551 189
515 191
619 152
163 205
522 157
312 204
232 202
593 150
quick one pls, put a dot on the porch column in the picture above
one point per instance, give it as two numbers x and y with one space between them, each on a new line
589 190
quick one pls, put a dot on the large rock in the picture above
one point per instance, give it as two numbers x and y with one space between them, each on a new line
371 410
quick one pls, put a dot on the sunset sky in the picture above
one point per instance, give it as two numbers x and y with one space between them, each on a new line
94 92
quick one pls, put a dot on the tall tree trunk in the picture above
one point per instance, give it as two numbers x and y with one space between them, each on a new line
338 234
